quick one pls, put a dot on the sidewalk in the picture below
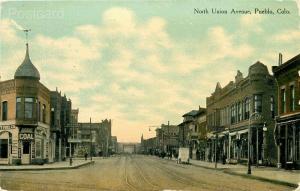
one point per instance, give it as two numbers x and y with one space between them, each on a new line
268 174
77 163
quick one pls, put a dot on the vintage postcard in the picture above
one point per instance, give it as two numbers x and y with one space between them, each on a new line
170 95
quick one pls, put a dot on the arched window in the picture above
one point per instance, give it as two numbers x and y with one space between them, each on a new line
4 111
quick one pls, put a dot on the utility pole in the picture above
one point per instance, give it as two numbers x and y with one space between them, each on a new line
168 143
91 145
216 152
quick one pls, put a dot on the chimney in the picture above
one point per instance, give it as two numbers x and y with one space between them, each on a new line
280 59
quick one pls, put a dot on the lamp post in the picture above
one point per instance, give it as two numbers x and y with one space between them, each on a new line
249 137
265 129
216 152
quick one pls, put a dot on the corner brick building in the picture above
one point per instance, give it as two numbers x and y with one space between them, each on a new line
229 110
25 117
287 133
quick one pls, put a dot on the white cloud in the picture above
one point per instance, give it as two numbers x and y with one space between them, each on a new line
222 44
119 20
287 36
8 33
251 23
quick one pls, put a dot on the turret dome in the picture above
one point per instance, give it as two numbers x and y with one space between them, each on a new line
258 68
27 69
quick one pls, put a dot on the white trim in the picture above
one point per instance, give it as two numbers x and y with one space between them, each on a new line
9 122
239 132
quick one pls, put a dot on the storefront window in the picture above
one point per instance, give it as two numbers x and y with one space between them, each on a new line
297 140
244 145
28 108
38 148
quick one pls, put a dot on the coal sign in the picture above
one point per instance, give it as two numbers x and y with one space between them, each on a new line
26 136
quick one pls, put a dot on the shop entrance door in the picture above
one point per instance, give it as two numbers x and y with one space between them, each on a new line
26 153
3 151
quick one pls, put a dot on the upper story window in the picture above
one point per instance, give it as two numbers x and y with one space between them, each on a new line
272 105
52 121
28 108
240 111
292 98
18 107
233 113
39 111
258 103
44 113
283 101
247 108
4 111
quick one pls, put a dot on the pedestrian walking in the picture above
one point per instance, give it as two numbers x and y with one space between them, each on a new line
85 156
71 161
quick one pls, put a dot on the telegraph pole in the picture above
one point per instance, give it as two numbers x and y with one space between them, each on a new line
91 145
168 143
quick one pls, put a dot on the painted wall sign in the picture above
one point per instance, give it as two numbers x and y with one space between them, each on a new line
27 130
26 136
7 127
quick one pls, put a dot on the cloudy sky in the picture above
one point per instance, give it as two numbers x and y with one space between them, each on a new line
142 63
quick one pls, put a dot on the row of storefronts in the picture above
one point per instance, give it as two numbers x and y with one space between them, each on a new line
252 119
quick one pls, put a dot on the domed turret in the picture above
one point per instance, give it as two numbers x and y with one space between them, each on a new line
27 69
258 68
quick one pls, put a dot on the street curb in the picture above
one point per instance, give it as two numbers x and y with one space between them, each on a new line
228 171
280 182
49 168
206 167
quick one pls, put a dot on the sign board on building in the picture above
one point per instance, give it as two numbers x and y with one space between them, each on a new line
7 127
26 136
26 130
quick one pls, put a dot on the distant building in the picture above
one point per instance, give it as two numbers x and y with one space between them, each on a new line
287 132
129 148
60 117
25 118
231 109
167 138
114 144
65 116
149 146
193 130
91 138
